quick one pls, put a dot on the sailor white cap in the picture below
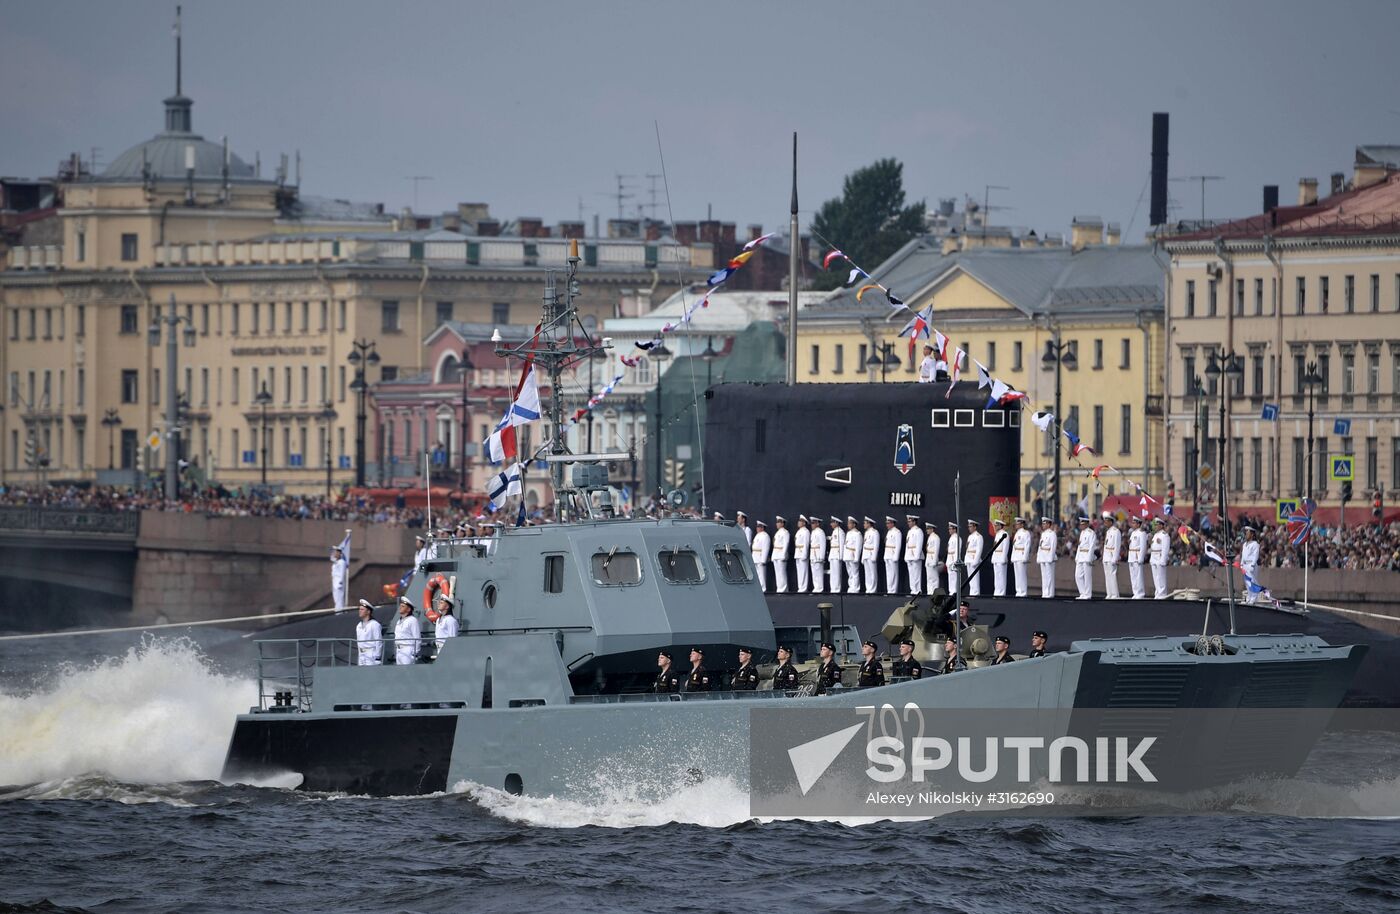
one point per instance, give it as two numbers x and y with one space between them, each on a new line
973 523
850 518
999 522
1019 519
802 517
780 519
1134 519
405 601
760 523
1083 518
740 514
869 519
719 516
911 517
365 604
419 537
889 520
1108 515
1248 529
1158 520
835 519
952 525
1046 520
931 524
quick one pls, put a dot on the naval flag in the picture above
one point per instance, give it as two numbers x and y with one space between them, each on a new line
503 485
525 407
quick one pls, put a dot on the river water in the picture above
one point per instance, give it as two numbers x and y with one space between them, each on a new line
112 746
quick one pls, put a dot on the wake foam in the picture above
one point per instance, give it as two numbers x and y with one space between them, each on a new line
158 714
712 803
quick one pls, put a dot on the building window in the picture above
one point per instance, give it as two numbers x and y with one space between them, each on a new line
1125 446
500 313
1190 298
203 387
816 360
1373 471
1237 463
272 318
1074 348
1348 374
325 385
286 383
325 315
1214 300
306 317
341 384
1300 465
1321 464
389 317
129 319
1098 355
1375 292
257 318
340 316
155 386
1188 374
130 386
444 312
1016 353
389 372
991 356
82 320
1098 430
233 318
305 383
1373 372
1256 464
1323 287
287 317
233 390
80 394
14 324
1324 370
1258 297
128 246
1238 304
1125 354
840 360
1258 375
1300 296
1300 371
48 323
1349 293
82 246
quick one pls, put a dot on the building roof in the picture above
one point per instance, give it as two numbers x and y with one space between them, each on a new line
1370 210
1036 281
727 311
163 155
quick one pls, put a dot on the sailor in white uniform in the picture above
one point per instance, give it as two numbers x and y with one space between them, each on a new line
972 556
835 544
762 549
1137 553
369 637
742 520
1161 552
953 554
782 549
892 544
1084 559
818 553
801 549
339 567
1000 552
927 371
446 625
407 634
1021 555
933 546
1045 557
1249 561
850 554
420 551
913 553
1112 550
869 549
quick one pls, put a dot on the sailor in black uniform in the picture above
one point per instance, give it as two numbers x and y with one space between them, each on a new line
667 680
745 678
952 660
829 675
907 666
872 672
1003 644
1038 639
785 678
699 679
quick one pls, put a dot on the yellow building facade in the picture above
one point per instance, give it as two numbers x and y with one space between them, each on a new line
1003 305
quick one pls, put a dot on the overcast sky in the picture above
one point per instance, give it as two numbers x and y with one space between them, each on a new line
534 107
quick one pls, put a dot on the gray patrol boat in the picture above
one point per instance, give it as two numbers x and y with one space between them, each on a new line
548 689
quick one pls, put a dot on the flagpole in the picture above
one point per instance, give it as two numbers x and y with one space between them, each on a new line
1307 565
428 488
793 241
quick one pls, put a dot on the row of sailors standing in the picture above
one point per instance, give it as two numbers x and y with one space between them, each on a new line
408 633
820 558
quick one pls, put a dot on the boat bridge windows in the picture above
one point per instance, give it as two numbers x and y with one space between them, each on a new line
554 574
617 568
735 565
680 566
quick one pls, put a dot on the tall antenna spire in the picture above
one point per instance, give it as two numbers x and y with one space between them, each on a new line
793 242
176 30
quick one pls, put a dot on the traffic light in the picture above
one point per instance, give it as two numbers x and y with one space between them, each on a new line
679 480
31 451
1346 491
1376 506
669 473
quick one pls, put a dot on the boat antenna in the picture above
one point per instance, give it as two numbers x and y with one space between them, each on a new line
428 488
958 563
793 239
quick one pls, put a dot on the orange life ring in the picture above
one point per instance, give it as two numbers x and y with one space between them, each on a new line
437 583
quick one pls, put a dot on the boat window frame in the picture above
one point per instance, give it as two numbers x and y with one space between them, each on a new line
745 563
608 557
679 550
549 559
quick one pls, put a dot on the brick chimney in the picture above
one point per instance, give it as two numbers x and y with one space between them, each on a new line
653 230
1307 191
709 231
530 226
755 231
686 233
571 230
727 234
488 228
1113 234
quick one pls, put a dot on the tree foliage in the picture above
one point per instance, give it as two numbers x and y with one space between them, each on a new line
869 221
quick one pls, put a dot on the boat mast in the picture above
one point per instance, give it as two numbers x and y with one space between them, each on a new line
561 343
793 239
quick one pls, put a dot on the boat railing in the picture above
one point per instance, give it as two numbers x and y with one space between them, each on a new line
287 667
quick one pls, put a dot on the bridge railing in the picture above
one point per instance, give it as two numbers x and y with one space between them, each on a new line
77 521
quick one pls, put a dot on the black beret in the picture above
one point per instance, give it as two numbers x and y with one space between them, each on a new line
871 644
666 654
828 645
785 649
1039 634
1003 639
697 650
908 641
745 650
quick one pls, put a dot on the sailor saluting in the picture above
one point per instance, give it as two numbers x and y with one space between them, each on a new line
667 680
407 634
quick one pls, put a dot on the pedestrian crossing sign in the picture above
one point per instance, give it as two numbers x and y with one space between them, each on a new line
1284 508
1342 468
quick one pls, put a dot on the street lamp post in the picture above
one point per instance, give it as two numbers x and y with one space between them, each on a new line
1197 391
172 365
362 355
1056 355
709 355
466 370
1225 368
110 421
328 414
659 355
262 400
1312 380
